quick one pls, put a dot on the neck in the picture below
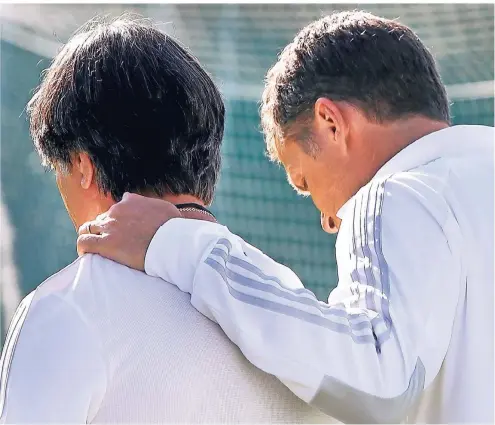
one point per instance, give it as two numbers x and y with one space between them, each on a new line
176 199
100 204
185 199
189 199
383 142
388 140
182 199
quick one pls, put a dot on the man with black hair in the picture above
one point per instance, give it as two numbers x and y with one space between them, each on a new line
123 107
356 112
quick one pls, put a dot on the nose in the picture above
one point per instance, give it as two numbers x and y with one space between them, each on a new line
328 224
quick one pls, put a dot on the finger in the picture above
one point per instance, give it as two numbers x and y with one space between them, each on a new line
92 228
129 196
101 217
90 244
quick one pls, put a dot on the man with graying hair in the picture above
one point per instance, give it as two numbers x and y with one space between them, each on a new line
356 112
124 107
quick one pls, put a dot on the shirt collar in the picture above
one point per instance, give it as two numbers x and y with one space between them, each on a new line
427 149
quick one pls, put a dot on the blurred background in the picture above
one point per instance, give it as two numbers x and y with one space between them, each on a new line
237 44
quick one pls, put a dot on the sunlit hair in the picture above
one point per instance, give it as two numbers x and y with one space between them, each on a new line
376 64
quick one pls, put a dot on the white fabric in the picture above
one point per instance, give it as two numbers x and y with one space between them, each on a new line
415 263
99 343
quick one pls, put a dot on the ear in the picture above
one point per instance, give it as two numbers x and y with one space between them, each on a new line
329 118
86 169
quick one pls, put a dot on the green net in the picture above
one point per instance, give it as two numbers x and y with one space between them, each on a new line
237 44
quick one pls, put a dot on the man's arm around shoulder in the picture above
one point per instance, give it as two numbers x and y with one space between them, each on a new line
384 334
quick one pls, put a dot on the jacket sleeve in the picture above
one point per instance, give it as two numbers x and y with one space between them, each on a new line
367 354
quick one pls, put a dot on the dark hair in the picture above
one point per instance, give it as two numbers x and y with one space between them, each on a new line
377 64
138 103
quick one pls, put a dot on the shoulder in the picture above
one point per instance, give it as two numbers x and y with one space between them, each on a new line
404 211
56 298
65 307
84 278
400 197
51 344
76 294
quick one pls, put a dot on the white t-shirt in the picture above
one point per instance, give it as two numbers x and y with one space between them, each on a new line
99 343
408 334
